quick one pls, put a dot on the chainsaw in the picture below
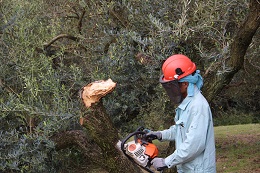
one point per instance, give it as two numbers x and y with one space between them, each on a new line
141 150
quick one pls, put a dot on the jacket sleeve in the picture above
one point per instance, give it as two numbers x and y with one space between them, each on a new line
194 142
169 134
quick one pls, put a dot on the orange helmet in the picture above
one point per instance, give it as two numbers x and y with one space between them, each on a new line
176 67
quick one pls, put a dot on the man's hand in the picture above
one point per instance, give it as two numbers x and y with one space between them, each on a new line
154 135
159 164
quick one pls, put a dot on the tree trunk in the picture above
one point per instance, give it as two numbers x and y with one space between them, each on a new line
238 50
98 143
101 129
105 135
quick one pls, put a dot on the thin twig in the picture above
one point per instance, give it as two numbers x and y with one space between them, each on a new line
59 37
80 21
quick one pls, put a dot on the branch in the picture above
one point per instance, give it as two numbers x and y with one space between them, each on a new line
235 84
78 139
118 13
60 37
239 46
244 35
69 138
80 21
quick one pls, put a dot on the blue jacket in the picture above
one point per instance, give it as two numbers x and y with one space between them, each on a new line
194 136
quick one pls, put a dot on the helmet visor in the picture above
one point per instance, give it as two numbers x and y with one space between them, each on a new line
172 89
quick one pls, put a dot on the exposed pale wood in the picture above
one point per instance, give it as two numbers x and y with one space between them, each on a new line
92 92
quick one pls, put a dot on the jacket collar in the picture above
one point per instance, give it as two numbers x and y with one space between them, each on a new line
188 99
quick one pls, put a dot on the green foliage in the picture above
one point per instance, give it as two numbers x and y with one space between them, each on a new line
36 99
25 153
235 117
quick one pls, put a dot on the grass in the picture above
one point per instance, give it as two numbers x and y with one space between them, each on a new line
238 148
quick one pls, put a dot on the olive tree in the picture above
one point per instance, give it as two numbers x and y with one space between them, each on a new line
50 49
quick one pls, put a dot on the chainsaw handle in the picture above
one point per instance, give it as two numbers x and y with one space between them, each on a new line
129 136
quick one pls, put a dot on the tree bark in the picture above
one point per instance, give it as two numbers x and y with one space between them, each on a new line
79 139
105 135
101 129
239 46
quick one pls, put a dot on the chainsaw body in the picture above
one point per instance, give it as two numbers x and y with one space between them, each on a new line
140 150
142 153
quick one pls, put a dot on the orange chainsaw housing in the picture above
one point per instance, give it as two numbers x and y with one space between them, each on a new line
150 149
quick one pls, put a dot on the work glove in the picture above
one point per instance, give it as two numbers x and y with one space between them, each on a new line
159 164
153 135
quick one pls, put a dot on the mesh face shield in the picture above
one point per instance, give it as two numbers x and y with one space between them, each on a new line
172 89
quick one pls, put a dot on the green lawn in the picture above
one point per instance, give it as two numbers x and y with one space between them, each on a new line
238 148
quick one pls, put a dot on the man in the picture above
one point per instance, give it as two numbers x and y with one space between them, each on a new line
193 130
